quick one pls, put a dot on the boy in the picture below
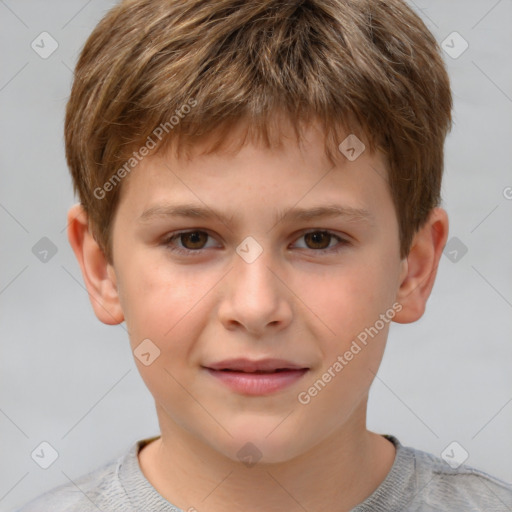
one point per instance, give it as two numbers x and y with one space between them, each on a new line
262 129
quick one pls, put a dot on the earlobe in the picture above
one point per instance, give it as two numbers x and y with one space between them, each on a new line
98 274
420 269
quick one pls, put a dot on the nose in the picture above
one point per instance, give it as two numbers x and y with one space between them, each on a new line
255 297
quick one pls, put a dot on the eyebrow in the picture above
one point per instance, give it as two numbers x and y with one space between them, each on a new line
194 211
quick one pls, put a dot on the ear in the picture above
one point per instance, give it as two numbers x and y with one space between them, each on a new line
98 274
420 267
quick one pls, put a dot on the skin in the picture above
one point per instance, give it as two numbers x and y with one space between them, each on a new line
292 302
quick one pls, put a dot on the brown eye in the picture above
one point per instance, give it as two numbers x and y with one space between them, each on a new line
318 239
193 239
192 242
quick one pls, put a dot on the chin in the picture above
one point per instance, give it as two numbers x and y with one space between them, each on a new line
261 442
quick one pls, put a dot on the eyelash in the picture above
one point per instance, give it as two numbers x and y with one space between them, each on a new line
196 252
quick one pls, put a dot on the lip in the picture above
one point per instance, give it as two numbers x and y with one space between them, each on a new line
245 376
251 365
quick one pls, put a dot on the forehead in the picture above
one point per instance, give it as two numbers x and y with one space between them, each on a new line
292 172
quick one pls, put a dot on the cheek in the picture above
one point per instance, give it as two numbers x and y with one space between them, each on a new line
348 297
348 306
168 310
155 300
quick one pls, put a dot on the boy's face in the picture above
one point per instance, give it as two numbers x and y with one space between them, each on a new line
291 302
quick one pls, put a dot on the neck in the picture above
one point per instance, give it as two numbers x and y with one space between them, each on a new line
337 474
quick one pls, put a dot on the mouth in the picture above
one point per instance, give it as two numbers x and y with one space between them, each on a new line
277 370
261 377
243 365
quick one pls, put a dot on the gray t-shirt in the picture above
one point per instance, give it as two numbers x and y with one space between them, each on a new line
417 482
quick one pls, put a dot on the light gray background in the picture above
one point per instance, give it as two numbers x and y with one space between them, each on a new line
71 381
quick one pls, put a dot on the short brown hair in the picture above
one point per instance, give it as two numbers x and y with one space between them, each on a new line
368 64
